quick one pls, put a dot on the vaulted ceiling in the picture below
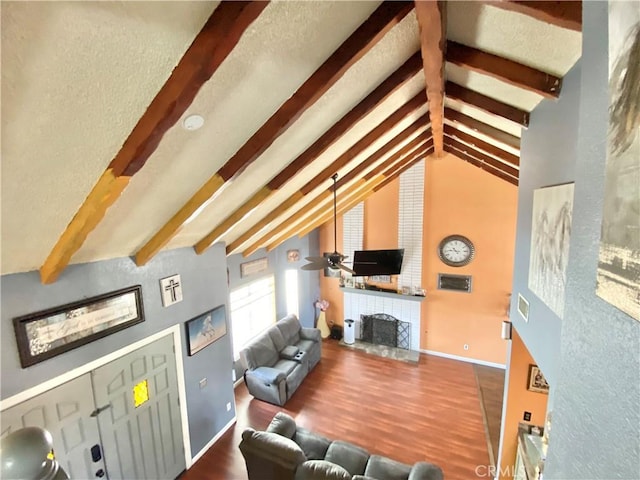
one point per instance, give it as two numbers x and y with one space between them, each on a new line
97 162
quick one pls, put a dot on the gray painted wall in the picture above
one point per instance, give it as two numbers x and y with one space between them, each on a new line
592 356
204 284
596 414
548 157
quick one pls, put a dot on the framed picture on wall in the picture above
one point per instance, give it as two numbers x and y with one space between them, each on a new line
536 381
48 333
205 329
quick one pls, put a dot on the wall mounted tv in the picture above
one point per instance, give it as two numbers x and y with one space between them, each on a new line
377 262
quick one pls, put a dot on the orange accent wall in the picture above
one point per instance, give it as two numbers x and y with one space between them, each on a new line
462 199
381 218
519 400
329 287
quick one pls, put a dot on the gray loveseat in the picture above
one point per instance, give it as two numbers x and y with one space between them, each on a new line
288 452
277 361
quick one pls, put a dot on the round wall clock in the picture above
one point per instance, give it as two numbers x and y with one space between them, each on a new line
456 250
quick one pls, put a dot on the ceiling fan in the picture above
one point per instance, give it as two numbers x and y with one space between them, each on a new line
333 260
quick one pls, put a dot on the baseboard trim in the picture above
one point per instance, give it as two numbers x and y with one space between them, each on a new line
465 359
212 442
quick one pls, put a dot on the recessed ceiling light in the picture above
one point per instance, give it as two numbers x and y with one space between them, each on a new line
193 122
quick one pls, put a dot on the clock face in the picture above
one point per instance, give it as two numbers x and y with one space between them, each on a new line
456 250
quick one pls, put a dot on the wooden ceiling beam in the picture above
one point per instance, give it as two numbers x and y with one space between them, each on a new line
348 199
340 162
487 104
364 183
217 38
383 19
335 166
565 13
482 157
431 15
505 70
396 80
503 155
483 166
370 138
364 191
481 127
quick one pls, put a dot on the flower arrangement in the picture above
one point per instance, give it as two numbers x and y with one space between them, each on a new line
322 305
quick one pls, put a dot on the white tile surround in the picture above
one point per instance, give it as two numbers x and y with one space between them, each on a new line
356 304
410 215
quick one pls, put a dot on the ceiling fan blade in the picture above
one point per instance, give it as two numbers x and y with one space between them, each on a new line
316 259
314 266
345 268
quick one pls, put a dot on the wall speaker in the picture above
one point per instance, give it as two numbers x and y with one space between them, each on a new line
506 330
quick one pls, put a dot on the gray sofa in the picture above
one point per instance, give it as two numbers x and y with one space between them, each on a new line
278 360
288 452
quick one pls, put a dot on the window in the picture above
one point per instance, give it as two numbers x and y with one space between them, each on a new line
253 310
291 285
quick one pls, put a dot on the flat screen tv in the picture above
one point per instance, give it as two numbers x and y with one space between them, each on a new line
377 262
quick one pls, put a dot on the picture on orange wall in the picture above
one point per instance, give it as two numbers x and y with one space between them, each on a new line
550 235
536 381
618 279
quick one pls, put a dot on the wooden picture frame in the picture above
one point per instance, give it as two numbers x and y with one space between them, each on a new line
536 381
205 329
48 333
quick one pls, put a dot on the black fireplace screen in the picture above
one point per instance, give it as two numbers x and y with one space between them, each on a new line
383 329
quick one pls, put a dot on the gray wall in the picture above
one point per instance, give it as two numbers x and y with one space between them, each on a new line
596 414
548 157
204 282
592 356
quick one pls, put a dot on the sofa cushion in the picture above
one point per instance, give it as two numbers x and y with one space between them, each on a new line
382 467
276 337
286 366
289 326
313 445
426 471
260 353
321 470
283 424
352 458
281 449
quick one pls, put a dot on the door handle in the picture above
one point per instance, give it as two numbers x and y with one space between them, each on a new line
99 410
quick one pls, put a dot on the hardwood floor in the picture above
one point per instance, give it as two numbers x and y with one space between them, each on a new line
491 388
430 411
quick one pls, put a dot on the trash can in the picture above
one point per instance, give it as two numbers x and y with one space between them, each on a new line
349 331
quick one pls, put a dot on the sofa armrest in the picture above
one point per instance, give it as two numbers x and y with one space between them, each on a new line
266 374
310 334
425 471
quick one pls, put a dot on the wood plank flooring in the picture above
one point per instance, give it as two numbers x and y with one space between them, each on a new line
491 388
429 411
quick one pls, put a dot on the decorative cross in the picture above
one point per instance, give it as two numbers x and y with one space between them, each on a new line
171 287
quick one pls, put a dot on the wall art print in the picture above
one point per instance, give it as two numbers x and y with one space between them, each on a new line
618 278
550 235
205 329
45 334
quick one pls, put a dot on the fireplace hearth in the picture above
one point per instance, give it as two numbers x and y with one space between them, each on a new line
383 329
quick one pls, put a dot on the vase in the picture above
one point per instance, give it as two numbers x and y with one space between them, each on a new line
322 325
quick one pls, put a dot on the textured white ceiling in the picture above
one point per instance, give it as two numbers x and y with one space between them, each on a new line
77 76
